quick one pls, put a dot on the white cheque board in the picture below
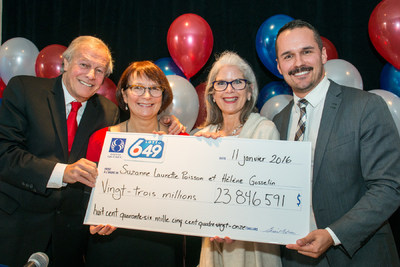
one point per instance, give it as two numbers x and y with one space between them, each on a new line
247 189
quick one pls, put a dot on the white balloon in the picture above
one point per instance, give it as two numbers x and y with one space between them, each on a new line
274 105
344 73
17 57
185 104
393 102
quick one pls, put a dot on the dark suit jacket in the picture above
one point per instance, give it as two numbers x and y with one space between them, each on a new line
33 138
356 177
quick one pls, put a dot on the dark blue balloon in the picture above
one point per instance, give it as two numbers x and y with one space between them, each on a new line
272 89
390 79
265 41
168 66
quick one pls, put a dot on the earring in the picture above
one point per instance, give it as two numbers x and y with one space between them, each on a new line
126 107
248 99
213 99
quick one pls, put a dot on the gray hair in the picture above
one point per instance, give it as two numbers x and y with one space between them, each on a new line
229 58
91 41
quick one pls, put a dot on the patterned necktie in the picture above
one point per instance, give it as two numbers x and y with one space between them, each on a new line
72 124
301 125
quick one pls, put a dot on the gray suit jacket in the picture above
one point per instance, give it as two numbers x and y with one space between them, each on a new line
356 178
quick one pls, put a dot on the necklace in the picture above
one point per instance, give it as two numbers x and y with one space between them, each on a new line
126 126
234 130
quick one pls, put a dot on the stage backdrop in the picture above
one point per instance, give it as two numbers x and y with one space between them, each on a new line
137 30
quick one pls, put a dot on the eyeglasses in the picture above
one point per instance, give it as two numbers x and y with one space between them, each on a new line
238 84
140 89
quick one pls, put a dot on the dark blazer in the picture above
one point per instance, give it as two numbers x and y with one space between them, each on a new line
33 138
356 178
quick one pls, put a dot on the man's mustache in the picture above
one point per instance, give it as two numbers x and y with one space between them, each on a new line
300 69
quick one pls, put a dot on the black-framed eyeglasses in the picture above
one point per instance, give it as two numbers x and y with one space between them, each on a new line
238 84
140 89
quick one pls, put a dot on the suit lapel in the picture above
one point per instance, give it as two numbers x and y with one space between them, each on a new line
331 107
284 121
56 102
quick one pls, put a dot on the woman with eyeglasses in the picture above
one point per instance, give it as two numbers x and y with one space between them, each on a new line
144 91
230 95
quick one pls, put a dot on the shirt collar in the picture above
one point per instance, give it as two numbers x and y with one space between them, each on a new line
316 95
68 97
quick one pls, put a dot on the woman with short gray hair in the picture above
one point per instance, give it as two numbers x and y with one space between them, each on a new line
230 96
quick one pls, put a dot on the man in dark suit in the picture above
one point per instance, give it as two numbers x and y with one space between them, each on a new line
44 187
356 159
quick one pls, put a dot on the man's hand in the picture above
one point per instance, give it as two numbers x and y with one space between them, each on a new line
173 124
83 171
102 229
314 244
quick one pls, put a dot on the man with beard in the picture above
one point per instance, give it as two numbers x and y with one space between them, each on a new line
356 159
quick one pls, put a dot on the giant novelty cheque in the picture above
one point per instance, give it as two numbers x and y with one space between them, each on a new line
247 189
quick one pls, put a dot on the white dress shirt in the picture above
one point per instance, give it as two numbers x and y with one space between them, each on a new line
56 178
316 100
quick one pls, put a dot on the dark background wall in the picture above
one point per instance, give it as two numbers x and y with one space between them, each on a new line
137 30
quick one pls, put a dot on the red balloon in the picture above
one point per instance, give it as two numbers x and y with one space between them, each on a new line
108 89
330 48
49 61
190 42
201 117
384 30
2 87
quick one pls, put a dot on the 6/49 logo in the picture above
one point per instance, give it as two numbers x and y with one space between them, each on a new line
143 148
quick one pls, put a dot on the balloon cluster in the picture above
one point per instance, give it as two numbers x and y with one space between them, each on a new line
275 95
190 42
19 56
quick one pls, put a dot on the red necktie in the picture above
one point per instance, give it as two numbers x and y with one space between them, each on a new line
72 124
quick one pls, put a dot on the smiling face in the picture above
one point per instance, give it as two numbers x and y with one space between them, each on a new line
144 106
85 72
231 101
300 61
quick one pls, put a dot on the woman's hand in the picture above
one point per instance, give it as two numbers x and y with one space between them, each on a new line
222 240
209 134
101 229
173 124
159 132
